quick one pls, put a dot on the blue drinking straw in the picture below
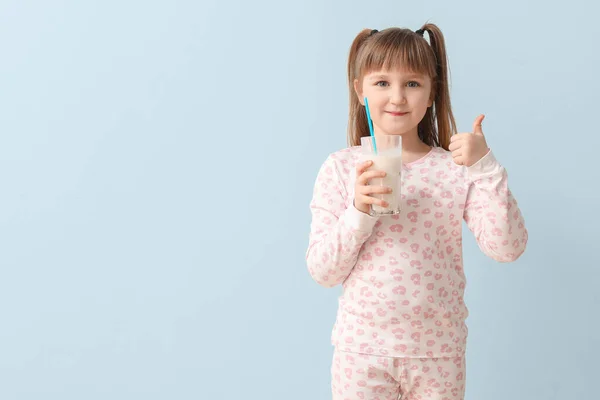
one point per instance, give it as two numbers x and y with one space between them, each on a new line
370 125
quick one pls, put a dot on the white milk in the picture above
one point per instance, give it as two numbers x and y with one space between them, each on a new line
389 161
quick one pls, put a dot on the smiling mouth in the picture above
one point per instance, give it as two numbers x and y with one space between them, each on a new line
397 114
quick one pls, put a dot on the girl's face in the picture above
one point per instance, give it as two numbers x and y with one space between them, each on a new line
397 99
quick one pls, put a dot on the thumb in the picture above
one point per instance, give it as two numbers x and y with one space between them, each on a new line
477 125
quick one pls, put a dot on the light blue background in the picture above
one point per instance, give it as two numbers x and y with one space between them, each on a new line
157 161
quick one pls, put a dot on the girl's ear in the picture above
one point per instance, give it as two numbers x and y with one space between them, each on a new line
358 90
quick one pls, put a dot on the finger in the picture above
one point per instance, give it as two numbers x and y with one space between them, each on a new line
458 137
477 129
458 160
457 153
365 176
375 189
372 200
360 168
454 145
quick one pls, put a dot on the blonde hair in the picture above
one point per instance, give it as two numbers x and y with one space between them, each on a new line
392 48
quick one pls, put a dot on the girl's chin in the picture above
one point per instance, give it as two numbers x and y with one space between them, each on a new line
396 133
398 130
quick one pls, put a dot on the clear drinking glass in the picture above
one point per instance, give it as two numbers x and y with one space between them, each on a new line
388 158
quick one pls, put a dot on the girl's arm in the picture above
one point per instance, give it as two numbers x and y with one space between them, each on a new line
491 212
337 233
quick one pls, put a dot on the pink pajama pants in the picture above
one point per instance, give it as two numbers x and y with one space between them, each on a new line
372 377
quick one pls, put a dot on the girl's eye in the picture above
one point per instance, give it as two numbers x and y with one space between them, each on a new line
381 83
413 84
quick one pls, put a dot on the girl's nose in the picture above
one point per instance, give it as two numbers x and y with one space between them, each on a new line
398 97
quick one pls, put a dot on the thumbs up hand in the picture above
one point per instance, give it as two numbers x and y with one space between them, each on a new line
468 148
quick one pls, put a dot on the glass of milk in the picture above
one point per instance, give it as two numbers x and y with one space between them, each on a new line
389 159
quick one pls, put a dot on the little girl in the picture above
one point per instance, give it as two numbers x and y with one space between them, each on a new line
400 329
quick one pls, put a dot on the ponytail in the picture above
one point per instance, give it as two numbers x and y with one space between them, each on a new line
357 117
442 107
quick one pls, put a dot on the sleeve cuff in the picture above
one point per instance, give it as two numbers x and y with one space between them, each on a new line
359 221
487 165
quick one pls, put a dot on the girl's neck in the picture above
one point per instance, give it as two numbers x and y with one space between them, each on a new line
413 148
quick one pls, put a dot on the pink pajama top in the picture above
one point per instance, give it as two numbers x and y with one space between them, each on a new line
402 276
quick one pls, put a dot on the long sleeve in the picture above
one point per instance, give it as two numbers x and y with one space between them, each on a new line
492 213
337 233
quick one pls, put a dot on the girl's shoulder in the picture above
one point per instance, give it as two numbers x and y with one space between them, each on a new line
346 153
440 152
344 160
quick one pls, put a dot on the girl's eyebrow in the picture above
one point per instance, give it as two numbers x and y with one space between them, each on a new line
408 76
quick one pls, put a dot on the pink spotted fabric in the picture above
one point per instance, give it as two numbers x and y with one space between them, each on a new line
402 276
370 377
